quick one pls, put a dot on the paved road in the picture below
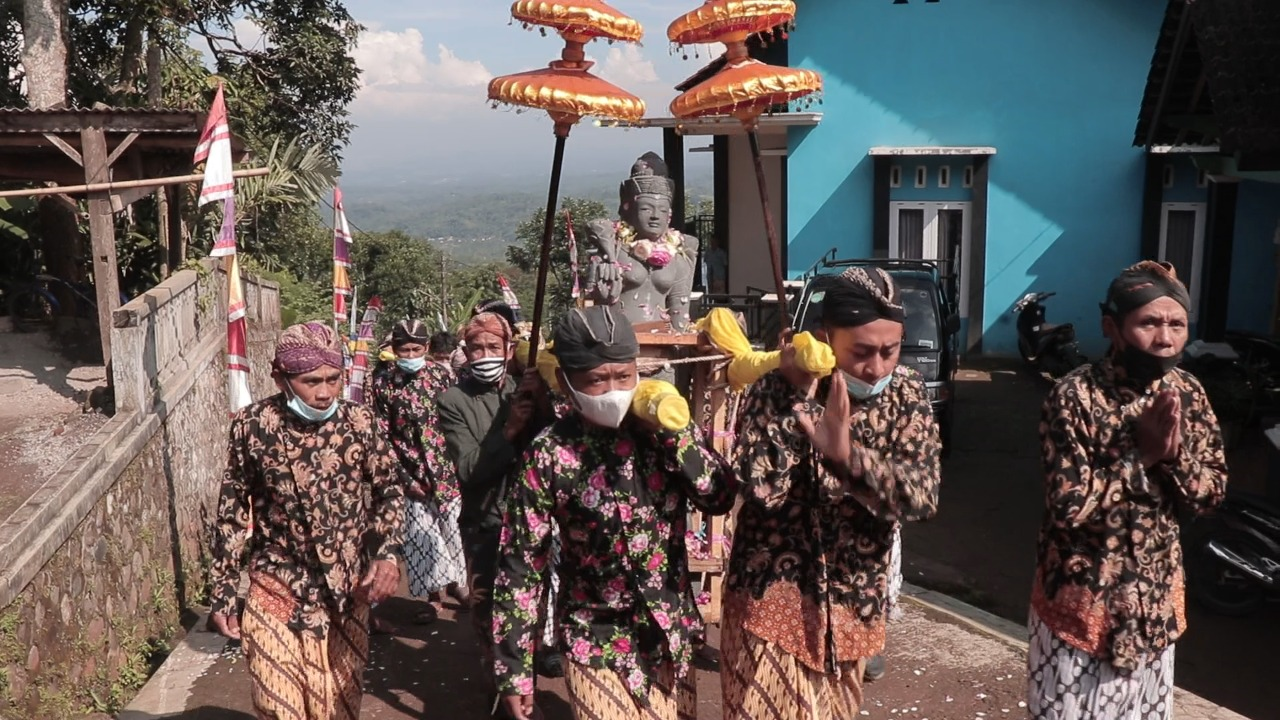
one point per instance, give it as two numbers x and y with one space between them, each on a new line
981 546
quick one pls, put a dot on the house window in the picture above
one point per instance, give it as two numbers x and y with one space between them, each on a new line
1202 179
1167 179
967 179
922 176
895 176
937 231
944 176
1182 245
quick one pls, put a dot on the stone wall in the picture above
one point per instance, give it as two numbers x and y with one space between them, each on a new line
95 568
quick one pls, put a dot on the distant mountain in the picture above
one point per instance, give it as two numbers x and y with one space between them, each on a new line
475 220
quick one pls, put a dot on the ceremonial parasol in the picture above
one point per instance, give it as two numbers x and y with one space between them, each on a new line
744 88
567 92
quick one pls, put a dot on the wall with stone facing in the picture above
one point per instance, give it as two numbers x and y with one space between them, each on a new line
96 566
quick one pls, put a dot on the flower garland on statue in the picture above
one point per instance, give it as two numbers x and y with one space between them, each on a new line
654 253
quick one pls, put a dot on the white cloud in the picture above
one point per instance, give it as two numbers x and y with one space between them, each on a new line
397 76
625 65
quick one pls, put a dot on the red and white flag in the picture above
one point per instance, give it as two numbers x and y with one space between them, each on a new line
214 150
341 261
238 395
509 295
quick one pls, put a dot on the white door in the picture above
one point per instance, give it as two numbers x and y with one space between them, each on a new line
1182 244
936 231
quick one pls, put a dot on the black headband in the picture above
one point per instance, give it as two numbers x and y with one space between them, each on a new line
860 296
409 331
587 338
1141 284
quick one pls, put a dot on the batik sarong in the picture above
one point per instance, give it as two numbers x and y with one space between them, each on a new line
300 675
433 547
1066 683
761 681
601 694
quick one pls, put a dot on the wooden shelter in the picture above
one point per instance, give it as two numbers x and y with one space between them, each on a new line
122 155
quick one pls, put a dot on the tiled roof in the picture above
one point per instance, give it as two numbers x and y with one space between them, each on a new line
1217 64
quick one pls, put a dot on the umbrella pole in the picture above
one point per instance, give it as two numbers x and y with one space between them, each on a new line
544 256
775 251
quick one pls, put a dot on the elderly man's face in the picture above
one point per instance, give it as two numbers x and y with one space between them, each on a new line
868 352
487 345
603 379
318 388
1158 328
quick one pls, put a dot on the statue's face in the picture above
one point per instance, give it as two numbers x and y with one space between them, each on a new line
651 215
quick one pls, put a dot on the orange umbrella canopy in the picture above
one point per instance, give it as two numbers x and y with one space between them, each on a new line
745 89
587 19
727 20
567 93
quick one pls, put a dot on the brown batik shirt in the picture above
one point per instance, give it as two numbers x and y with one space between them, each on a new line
1109 574
809 566
326 502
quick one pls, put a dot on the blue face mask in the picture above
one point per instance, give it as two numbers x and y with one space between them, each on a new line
860 390
411 365
308 413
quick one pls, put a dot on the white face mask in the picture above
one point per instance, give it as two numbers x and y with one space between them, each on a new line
861 390
605 410
488 370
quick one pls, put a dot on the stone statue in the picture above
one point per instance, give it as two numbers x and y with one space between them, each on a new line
639 262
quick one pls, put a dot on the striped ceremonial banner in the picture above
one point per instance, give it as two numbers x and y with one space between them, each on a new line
364 344
576 293
214 150
341 260
509 295
237 336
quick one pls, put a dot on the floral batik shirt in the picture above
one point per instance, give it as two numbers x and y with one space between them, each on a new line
808 570
406 404
1109 572
325 499
621 499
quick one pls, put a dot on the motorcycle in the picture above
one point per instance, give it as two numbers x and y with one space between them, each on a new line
1045 346
1233 555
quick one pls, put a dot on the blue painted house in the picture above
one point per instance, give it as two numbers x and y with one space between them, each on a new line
1009 137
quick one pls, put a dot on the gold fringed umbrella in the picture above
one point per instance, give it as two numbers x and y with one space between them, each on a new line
744 88
567 92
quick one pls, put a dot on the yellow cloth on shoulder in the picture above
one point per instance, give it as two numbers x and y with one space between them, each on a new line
749 365
658 402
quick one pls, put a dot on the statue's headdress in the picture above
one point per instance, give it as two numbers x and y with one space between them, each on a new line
648 177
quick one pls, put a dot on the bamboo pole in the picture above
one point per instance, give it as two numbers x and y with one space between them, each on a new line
126 184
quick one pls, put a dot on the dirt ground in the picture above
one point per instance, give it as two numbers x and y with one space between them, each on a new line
42 422
937 669
981 546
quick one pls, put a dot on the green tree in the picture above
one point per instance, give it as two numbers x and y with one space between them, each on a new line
525 253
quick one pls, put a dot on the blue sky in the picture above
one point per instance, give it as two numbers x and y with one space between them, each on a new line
422 113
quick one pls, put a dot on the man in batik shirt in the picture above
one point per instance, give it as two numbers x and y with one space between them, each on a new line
1128 444
824 486
405 399
619 490
326 504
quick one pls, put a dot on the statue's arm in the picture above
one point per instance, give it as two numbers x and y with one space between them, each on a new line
604 284
678 299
